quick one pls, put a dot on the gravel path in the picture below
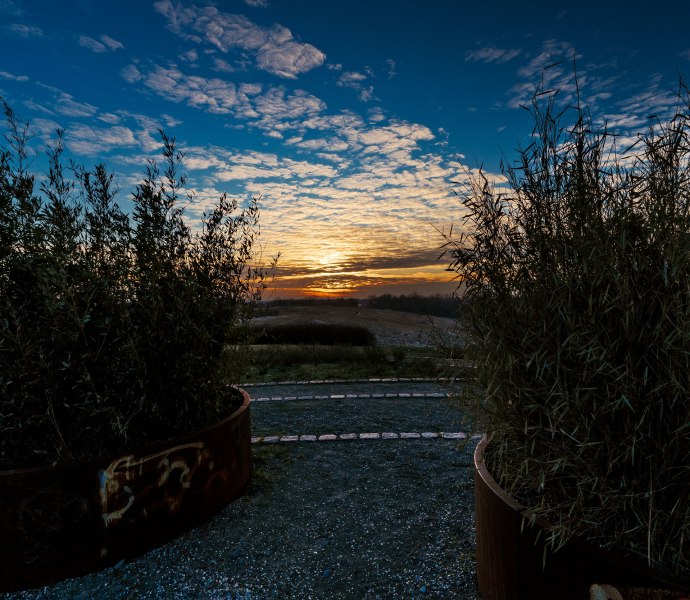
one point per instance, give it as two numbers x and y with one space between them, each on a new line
354 518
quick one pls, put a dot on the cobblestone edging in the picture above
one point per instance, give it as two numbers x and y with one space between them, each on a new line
386 435
378 395
330 381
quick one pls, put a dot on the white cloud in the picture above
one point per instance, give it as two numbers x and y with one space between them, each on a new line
10 8
222 65
490 54
399 135
170 121
274 49
10 76
391 68
351 77
552 53
35 106
66 105
88 42
329 144
550 69
276 106
45 128
26 31
252 166
376 114
256 3
341 181
633 116
190 56
107 44
380 189
366 94
354 80
109 118
131 74
111 43
553 69
212 95
86 140
288 59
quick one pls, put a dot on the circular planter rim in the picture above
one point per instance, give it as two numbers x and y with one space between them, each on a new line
631 562
106 458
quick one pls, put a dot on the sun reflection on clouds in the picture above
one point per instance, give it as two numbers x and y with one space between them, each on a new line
350 201
428 280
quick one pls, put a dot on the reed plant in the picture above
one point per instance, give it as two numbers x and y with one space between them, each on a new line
574 281
114 326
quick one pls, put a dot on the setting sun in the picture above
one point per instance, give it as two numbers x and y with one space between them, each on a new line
354 149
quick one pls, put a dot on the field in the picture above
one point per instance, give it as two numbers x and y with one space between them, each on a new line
405 346
391 328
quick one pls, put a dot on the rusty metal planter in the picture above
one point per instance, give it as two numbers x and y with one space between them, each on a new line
513 561
60 522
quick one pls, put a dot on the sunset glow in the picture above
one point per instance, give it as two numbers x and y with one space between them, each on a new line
354 122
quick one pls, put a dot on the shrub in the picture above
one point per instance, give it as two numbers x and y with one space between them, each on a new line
113 328
326 334
575 302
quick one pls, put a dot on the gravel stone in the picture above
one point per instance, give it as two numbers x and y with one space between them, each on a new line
340 520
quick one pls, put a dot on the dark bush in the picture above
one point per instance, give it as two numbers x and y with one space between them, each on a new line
113 329
575 303
315 334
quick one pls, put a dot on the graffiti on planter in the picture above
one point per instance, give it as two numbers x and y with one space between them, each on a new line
139 487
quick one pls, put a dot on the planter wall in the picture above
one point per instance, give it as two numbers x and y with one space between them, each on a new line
66 521
513 561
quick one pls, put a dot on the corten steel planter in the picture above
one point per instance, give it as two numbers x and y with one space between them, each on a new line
514 562
60 522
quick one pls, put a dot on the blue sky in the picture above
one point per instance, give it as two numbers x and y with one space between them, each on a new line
350 118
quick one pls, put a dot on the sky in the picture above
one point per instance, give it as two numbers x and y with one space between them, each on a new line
353 121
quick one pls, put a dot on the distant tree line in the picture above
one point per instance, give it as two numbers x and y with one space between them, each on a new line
315 302
435 306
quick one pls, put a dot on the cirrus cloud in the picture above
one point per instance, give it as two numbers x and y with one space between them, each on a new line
491 54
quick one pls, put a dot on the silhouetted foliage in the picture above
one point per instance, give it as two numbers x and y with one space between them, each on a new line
433 306
113 330
314 302
576 311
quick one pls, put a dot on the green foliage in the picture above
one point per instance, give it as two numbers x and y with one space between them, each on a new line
113 330
306 362
575 290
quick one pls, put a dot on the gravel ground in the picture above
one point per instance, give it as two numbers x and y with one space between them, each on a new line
345 519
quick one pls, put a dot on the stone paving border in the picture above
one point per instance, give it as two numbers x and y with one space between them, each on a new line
330 381
386 435
378 395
